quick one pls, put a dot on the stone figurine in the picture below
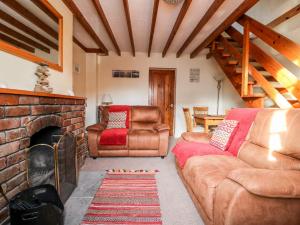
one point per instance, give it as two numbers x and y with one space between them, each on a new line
42 84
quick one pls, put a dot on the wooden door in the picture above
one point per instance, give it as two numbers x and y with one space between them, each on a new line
162 94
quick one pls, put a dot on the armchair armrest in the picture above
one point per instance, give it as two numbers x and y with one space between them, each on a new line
196 137
96 127
268 183
161 127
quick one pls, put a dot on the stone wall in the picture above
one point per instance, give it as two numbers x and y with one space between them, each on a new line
20 117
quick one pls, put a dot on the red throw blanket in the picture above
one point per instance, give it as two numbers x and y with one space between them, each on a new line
245 116
117 136
121 108
183 150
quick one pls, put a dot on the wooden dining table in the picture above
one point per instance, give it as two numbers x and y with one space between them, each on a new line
208 120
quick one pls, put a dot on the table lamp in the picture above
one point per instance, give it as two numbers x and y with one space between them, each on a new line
106 99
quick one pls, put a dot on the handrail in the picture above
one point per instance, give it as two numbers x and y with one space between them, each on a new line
282 44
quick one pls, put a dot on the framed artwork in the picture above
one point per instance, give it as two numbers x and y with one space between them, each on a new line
195 75
125 74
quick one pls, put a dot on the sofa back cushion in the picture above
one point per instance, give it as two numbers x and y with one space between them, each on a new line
273 141
145 117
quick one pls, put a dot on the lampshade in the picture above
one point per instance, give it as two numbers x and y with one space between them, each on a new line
173 2
107 99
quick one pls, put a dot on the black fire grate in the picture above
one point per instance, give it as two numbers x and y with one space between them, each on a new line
39 205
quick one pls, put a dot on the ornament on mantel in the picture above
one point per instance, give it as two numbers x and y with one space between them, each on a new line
42 84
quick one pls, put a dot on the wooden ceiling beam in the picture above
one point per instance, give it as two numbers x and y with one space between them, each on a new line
243 8
23 38
16 43
11 20
87 50
177 24
153 23
284 17
21 10
128 20
85 24
106 25
44 8
209 13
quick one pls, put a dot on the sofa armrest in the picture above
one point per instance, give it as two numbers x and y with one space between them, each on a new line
196 137
161 127
99 127
268 183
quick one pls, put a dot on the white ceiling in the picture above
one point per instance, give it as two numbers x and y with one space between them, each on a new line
141 16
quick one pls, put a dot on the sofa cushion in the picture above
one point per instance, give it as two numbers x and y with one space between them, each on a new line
224 134
117 120
183 150
145 117
204 173
143 139
116 136
121 108
245 117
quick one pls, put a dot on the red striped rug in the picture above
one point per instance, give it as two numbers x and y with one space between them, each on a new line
126 198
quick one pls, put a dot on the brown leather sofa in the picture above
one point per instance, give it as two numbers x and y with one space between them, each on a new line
147 136
259 187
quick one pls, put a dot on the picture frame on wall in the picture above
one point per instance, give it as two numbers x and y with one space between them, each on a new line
125 74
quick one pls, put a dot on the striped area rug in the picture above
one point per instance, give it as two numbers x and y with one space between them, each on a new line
125 198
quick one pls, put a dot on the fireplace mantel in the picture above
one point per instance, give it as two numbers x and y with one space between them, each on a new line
37 94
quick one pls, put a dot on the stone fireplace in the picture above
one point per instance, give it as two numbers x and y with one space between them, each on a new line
28 119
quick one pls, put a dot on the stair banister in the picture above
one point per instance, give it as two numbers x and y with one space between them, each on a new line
245 60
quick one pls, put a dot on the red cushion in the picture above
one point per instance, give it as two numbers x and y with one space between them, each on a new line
245 116
116 136
183 150
121 108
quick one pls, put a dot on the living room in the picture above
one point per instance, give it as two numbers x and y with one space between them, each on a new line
149 112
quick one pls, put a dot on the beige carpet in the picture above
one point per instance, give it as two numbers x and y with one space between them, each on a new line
176 205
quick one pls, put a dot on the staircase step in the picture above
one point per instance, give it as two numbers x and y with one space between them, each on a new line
293 102
296 105
282 90
256 95
232 62
270 78
220 48
225 55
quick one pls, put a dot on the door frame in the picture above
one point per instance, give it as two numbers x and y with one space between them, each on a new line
174 94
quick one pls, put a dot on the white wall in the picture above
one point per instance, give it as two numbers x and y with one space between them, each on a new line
18 73
135 91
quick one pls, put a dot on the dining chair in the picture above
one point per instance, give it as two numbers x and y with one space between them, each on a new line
199 110
188 119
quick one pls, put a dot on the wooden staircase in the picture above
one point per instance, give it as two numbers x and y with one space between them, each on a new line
260 79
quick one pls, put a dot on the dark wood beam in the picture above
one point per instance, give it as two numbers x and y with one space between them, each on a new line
44 8
243 8
12 21
153 23
87 50
106 25
17 7
128 20
284 17
85 24
177 24
23 38
209 13
16 43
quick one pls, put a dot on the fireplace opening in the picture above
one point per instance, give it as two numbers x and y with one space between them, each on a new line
51 159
